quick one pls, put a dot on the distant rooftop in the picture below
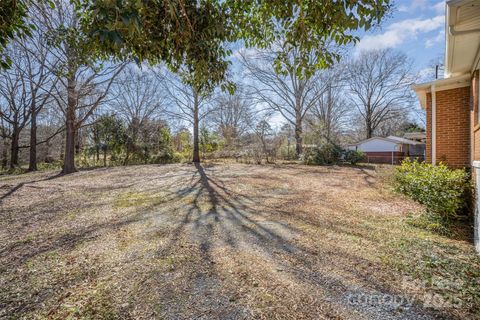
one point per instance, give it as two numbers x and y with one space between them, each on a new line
403 140
415 135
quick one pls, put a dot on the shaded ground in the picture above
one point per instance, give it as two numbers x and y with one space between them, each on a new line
224 242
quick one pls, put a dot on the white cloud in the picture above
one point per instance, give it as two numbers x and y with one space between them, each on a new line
399 32
414 5
439 38
440 7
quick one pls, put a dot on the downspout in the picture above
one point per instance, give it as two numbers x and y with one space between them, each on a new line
476 172
476 222
434 124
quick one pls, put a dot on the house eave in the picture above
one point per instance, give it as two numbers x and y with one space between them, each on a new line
462 37
440 85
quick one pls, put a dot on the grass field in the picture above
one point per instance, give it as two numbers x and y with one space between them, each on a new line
225 241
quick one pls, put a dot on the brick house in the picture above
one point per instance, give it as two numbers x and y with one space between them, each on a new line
452 104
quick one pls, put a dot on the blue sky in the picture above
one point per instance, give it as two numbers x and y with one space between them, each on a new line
417 27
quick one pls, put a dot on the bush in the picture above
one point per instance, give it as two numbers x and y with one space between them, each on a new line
354 156
431 222
443 191
326 154
167 156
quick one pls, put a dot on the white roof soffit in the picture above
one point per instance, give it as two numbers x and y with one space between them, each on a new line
443 84
462 37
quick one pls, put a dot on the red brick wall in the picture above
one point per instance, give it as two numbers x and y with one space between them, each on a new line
453 127
385 157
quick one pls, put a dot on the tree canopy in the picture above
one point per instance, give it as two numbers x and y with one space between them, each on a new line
12 24
195 33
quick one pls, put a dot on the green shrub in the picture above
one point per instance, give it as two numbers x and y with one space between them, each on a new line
354 156
442 190
54 165
167 156
16 170
431 222
326 154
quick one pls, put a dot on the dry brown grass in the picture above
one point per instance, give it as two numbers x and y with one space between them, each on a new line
222 241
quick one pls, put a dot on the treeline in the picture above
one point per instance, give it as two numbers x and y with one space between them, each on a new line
63 104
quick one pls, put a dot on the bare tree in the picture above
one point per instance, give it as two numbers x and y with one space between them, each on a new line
232 116
84 81
4 134
137 100
267 142
42 81
392 126
379 84
137 95
329 115
290 93
188 103
25 89
14 103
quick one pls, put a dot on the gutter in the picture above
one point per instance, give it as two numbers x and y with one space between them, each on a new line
442 84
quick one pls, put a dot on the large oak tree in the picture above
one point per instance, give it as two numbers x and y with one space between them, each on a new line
379 83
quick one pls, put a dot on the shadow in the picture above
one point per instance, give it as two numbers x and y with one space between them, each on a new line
212 215
363 166
368 177
22 184
235 218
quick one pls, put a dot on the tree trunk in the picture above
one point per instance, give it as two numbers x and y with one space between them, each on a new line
196 147
69 158
32 165
14 148
5 153
369 128
105 157
62 146
298 135
78 142
97 153
368 121
127 155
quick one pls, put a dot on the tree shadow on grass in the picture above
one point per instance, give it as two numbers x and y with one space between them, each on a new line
232 218
22 184
215 213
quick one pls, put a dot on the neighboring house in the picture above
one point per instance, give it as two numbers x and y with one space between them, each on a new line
452 103
416 136
390 149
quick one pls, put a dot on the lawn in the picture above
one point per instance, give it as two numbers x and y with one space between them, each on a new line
225 241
